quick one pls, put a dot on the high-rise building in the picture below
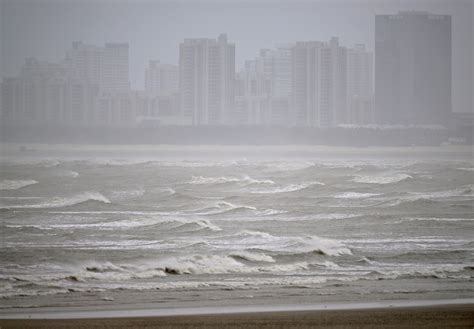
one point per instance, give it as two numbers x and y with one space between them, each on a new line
107 66
281 84
264 88
412 68
161 79
359 85
318 84
45 93
206 79
115 74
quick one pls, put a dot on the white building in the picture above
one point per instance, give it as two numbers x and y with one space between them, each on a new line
360 85
206 78
106 66
45 93
318 84
161 79
265 87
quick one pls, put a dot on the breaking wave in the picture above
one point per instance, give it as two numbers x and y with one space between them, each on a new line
386 178
436 219
68 173
59 202
253 256
256 240
355 195
200 180
16 184
288 188
182 224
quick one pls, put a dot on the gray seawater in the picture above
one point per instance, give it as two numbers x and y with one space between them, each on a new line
97 225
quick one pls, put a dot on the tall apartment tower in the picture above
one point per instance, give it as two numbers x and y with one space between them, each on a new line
115 74
412 68
319 83
161 79
206 79
106 66
360 85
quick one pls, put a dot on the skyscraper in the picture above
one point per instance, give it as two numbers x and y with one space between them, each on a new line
106 66
161 79
412 68
319 83
115 74
45 93
206 78
359 85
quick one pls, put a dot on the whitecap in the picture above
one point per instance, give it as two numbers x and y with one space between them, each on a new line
126 194
249 240
68 173
253 256
385 178
287 188
16 184
201 180
354 195
59 202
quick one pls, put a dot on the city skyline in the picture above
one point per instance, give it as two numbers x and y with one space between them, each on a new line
154 29
91 87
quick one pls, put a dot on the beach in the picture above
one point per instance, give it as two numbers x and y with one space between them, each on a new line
437 316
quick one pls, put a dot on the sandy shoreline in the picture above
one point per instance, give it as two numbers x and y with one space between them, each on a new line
388 314
439 316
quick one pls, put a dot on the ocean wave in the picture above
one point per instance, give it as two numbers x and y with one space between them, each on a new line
257 240
287 166
457 192
197 164
201 180
68 173
288 188
385 178
466 169
272 215
414 201
435 219
220 208
182 224
59 202
253 256
355 195
74 284
201 224
16 184
126 194
437 271
222 264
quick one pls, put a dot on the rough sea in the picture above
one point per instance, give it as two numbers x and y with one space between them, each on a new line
175 226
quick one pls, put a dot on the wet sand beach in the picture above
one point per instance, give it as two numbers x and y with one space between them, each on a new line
447 316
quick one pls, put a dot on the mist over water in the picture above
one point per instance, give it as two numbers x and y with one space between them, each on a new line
80 224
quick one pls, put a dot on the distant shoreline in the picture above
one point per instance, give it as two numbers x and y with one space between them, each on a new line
235 135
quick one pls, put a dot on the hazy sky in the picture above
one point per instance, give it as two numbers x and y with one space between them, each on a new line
154 29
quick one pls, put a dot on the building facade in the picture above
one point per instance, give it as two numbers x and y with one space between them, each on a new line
359 85
106 66
413 68
161 79
318 84
206 80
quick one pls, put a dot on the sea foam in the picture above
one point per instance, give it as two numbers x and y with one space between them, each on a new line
16 184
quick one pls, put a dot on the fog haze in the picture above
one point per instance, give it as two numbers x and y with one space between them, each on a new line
154 29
